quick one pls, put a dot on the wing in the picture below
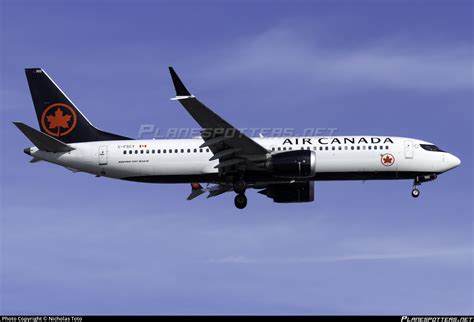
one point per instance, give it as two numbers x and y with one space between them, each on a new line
234 150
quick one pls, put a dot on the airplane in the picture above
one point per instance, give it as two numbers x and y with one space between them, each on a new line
282 168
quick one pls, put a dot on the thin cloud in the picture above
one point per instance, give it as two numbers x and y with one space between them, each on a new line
449 253
284 53
446 253
234 260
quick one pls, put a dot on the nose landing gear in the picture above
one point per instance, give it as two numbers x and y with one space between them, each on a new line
415 193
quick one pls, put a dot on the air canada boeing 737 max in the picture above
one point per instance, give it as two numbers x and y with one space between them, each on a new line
282 168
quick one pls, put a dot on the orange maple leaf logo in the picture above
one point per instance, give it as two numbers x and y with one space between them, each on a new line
59 119
387 159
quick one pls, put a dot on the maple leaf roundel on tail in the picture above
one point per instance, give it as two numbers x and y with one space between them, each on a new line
58 119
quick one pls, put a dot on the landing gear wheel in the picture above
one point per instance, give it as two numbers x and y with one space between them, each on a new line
240 186
415 193
240 201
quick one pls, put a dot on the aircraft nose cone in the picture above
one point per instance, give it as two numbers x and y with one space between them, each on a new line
454 161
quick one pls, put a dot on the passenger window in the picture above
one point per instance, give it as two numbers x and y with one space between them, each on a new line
381 147
375 147
189 150
363 147
358 147
320 148
346 147
207 150
279 149
170 151
327 148
290 148
273 148
153 151
284 148
352 147
158 151
175 150
182 150
164 150
333 148
200 150
136 151
369 147
148 151
195 150
340 148
386 147
124 151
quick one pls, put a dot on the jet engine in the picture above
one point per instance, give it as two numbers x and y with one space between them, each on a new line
290 192
293 164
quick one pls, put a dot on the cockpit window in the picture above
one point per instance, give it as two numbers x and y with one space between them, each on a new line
430 147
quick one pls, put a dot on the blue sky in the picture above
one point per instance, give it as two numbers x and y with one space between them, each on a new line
76 244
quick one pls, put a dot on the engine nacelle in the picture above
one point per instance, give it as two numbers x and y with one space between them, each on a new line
290 192
293 164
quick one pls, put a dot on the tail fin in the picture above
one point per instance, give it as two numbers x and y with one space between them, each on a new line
57 115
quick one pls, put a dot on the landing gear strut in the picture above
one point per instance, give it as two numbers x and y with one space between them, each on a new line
240 201
415 193
240 186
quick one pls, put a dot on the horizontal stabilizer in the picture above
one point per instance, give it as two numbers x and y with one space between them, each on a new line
72 169
34 160
195 193
42 140
218 190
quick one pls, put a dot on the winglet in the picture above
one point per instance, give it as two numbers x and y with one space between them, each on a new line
181 90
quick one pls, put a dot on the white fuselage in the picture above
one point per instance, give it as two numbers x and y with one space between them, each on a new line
182 160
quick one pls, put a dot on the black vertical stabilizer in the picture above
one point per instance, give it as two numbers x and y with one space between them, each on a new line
57 115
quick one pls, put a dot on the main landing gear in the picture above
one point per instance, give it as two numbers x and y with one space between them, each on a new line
240 200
